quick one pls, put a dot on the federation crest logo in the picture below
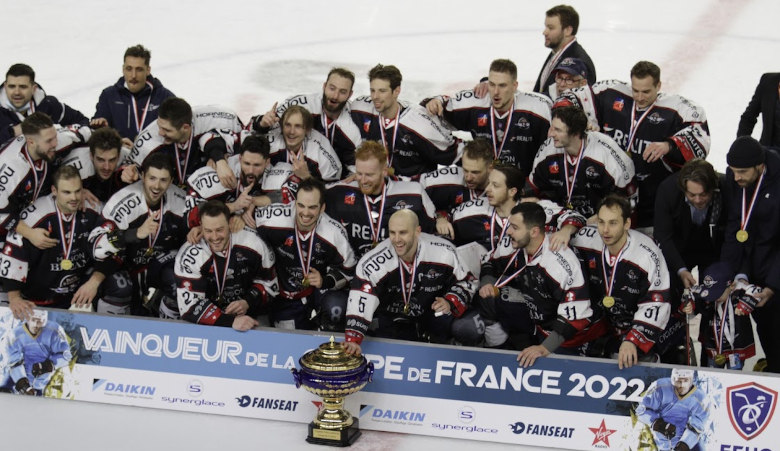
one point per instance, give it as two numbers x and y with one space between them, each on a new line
459 198
349 199
366 126
554 168
617 105
289 241
482 120
592 263
750 408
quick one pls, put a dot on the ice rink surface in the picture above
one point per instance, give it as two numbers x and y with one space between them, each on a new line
248 55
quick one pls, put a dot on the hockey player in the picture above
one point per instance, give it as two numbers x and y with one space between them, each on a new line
628 279
533 298
415 142
422 284
364 206
305 152
21 96
55 277
132 103
331 113
660 131
225 278
514 122
37 349
676 410
577 168
97 165
452 186
249 166
142 227
315 260
191 136
24 171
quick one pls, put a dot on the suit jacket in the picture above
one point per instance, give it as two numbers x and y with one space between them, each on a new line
574 51
763 101
673 225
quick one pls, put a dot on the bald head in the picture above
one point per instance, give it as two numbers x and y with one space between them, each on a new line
404 229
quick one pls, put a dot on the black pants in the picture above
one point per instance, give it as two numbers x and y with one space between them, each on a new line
767 320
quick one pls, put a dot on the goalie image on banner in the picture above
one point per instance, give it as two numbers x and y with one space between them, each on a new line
37 355
676 412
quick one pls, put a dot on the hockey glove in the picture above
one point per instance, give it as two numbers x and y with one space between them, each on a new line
42 368
687 298
666 429
23 387
744 295
681 446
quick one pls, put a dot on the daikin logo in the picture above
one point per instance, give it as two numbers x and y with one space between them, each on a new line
392 416
119 389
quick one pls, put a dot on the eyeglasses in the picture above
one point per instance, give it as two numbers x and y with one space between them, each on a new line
566 80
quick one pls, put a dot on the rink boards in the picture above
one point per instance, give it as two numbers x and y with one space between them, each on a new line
417 389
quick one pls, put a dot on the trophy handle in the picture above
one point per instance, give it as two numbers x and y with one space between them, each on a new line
297 377
370 368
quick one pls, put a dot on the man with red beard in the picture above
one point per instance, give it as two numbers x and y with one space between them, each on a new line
225 278
331 113
143 226
364 206
314 260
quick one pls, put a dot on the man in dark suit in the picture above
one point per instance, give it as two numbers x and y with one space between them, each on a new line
560 36
689 224
766 101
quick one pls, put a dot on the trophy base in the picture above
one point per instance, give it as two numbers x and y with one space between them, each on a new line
327 437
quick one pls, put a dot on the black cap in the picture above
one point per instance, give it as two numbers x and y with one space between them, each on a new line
745 152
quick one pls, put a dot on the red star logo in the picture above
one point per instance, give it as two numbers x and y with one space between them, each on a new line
602 433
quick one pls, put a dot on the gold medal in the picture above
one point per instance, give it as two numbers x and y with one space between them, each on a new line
220 300
742 236
608 301
407 309
373 245
149 252
570 206
306 282
66 264
390 171
496 292
720 360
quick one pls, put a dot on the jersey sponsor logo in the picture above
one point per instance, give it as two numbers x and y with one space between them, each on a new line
544 430
750 408
591 172
401 205
207 181
523 123
6 172
366 125
554 168
482 120
349 199
655 118
618 105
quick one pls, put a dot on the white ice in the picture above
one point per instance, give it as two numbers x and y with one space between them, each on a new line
249 54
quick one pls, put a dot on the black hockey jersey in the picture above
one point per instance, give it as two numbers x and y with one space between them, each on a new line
327 249
39 273
672 118
601 168
436 272
208 122
516 135
447 189
418 145
79 158
552 283
115 242
204 286
361 215
640 284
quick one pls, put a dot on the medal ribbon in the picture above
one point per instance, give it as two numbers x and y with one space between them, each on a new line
605 263
746 217
159 221
376 230
67 242
497 150
183 170
570 185
38 185
402 269
305 265
140 124
552 64
727 327
221 286
327 125
500 284
635 124
494 219
390 151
